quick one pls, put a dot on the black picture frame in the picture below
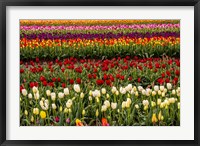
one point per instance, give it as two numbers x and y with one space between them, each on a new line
5 3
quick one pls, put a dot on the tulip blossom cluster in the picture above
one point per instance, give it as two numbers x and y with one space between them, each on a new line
100 73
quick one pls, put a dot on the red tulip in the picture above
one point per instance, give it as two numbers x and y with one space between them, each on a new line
63 85
71 81
58 79
21 70
99 82
78 81
44 83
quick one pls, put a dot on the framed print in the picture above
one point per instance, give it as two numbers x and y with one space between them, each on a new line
99 72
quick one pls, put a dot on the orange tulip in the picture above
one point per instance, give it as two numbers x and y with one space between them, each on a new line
79 123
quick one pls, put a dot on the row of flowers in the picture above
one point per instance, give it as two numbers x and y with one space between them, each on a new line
117 106
97 48
100 27
95 22
97 72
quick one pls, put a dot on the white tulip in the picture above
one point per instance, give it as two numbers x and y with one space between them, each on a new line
96 93
165 90
156 88
128 87
107 103
145 102
140 88
122 90
103 108
123 104
66 91
30 96
53 96
159 92
128 100
35 89
54 106
153 93
163 94
113 105
35 111
60 95
137 106
132 92
82 95
117 93
173 92
114 89
36 96
103 91
24 92
69 103
77 88
162 88
143 92
159 101
48 92
169 86
107 96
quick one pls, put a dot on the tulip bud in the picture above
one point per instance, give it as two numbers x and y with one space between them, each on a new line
60 108
153 93
48 92
32 119
90 93
69 110
97 113
97 99
136 94
137 106
159 92
153 104
83 112
163 94
82 95
26 112
24 92
154 119
117 93
158 101
30 96
173 92
178 105
123 104
54 106
113 105
107 96
103 108
35 89
53 96
145 107
66 91
90 98
66 110
103 91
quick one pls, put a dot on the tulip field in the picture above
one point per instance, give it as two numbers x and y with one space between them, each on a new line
99 73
